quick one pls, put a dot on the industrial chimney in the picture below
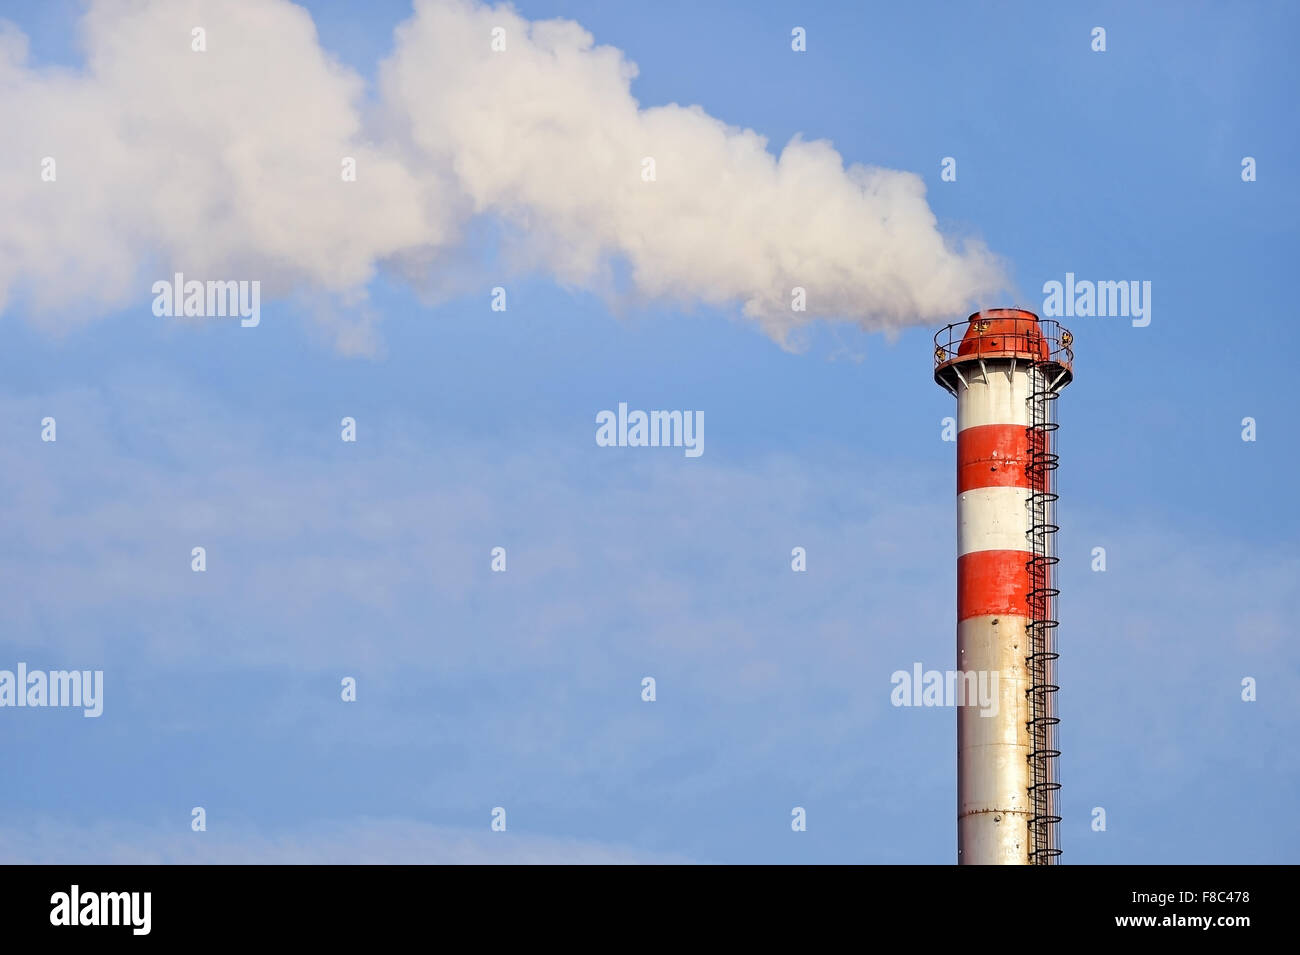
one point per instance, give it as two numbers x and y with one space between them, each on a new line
1005 367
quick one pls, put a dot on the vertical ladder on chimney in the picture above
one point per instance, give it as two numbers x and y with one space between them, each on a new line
1041 661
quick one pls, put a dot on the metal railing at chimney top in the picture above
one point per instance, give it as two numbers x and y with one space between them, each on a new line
1043 338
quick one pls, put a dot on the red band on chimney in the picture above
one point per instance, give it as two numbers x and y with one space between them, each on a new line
992 582
993 455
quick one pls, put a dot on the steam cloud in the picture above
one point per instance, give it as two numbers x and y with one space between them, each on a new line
226 164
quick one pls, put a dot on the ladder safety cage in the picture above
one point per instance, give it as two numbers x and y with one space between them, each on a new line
1044 848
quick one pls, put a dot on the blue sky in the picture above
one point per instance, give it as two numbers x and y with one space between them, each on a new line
475 430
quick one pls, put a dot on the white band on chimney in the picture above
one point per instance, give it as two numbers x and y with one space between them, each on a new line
994 399
993 518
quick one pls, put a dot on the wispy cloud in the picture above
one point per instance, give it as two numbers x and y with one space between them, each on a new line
359 842
378 563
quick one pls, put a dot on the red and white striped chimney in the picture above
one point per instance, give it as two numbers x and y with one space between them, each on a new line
1005 368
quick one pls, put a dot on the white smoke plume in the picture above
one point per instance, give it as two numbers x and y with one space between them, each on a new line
227 164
